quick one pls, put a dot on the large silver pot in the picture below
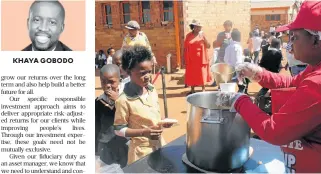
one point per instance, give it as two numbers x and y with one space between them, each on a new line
217 140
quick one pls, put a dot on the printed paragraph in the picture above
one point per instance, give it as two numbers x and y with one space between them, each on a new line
41 117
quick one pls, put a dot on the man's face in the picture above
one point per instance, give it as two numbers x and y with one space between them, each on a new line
45 24
227 27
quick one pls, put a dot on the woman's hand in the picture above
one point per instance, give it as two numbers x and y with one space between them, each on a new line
201 34
227 99
248 70
152 132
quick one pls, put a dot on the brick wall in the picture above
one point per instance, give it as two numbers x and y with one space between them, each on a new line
213 14
265 25
162 38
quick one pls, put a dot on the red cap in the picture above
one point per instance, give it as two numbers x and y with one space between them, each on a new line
309 17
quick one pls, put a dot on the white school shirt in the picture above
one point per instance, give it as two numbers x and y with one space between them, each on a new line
122 84
233 54
272 29
256 43
109 60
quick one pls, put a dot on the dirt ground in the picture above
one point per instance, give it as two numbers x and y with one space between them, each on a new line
176 99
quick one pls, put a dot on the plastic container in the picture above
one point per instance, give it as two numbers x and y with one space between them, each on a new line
228 87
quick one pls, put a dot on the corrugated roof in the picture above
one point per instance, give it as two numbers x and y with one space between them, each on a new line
271 3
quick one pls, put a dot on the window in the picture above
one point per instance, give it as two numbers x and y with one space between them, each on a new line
107 15
168 11
273 17
126 12
145 10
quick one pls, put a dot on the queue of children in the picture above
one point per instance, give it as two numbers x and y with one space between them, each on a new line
128 112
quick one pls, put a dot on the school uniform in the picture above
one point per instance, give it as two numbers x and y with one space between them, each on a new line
111 148
138 112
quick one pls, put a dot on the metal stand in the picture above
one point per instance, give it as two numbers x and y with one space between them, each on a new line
164 91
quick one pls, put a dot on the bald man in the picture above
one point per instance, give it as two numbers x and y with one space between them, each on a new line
112 149
45 24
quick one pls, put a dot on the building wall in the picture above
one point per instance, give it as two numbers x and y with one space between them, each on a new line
258 18
212 15
162 38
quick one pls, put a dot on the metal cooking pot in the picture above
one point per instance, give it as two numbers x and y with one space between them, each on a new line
217 139
222 72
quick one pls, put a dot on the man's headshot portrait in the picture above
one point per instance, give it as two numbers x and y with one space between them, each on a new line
46 23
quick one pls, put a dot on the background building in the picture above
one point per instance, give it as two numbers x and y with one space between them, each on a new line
265 13
166 23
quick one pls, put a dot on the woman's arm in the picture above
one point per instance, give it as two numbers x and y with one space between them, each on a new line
295 119
219 40
274 80
207 44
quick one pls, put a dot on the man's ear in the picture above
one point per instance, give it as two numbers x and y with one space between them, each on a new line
28 23
62 27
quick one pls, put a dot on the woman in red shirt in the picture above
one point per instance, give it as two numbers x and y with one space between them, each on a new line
296 126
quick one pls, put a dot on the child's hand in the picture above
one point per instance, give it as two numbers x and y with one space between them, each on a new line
167 125
153 132
112 95
167 122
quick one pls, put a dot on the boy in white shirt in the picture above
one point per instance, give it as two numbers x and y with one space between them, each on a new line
234 52
256 40
234 55
110 53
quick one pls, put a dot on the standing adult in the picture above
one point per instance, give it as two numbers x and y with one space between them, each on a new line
223 40
279 34
262 33
101 58
196 57
256 42
296 126
272 28
136 37
250 44
256 29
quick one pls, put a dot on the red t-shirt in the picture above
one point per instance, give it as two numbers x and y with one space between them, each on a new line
296 127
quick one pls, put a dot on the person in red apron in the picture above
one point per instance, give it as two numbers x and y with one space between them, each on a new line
296 125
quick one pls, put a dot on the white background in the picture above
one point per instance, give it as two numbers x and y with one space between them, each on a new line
84 62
